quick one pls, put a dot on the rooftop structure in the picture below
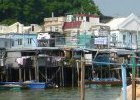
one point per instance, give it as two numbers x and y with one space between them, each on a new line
53 24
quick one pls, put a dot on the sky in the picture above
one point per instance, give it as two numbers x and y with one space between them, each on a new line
118 8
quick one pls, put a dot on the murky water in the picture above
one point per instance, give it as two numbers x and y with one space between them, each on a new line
110 93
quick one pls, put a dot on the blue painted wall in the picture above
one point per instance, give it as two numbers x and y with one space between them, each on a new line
22 40
5 43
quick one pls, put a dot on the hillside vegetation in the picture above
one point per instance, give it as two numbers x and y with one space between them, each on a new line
34 11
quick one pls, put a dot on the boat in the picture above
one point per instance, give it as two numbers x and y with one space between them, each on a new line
105 82
27 85
12 86
35 85
23 85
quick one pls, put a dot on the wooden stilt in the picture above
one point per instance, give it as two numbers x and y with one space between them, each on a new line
101 72
6 75
78 73
109 72
119 74
30 77
1 77
20 76
72 76
36 69
46 76
10 74
60 75
24 74
82 79
92 72
63 76
137 71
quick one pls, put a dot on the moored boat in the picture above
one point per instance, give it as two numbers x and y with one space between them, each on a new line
35 85
12 85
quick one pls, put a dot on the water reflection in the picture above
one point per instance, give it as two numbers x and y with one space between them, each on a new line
61 94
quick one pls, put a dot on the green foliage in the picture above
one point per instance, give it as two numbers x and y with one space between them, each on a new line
8 21
34 11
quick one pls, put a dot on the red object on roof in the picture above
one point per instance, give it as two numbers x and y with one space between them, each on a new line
74 24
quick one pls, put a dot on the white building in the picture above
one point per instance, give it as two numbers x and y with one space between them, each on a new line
20 28
125 32
54 24
79 23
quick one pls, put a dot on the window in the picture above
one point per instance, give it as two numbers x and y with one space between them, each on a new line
56 29
32 27
12 43
29 40
51 28
124 38
6 44
114 39
87 19
19 41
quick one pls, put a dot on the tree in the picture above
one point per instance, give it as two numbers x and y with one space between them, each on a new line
34 11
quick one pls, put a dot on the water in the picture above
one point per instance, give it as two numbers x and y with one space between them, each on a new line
102 93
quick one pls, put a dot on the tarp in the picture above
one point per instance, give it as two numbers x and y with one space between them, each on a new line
102 59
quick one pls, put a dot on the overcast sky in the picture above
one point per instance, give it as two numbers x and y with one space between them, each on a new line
118 8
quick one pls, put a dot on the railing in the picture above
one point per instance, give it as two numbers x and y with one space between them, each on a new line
84 42
87 41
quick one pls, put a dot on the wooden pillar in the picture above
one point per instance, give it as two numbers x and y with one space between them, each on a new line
63 76
60 76
20 75
109 72
36 69
118 71
7 73
101 72
82 79
72 76
24 73
62 60
138 71
10 73
46 76
30 77
78 73
1 78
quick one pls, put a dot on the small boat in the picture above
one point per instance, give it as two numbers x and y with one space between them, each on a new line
11 86
27 85
35 85
105 82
